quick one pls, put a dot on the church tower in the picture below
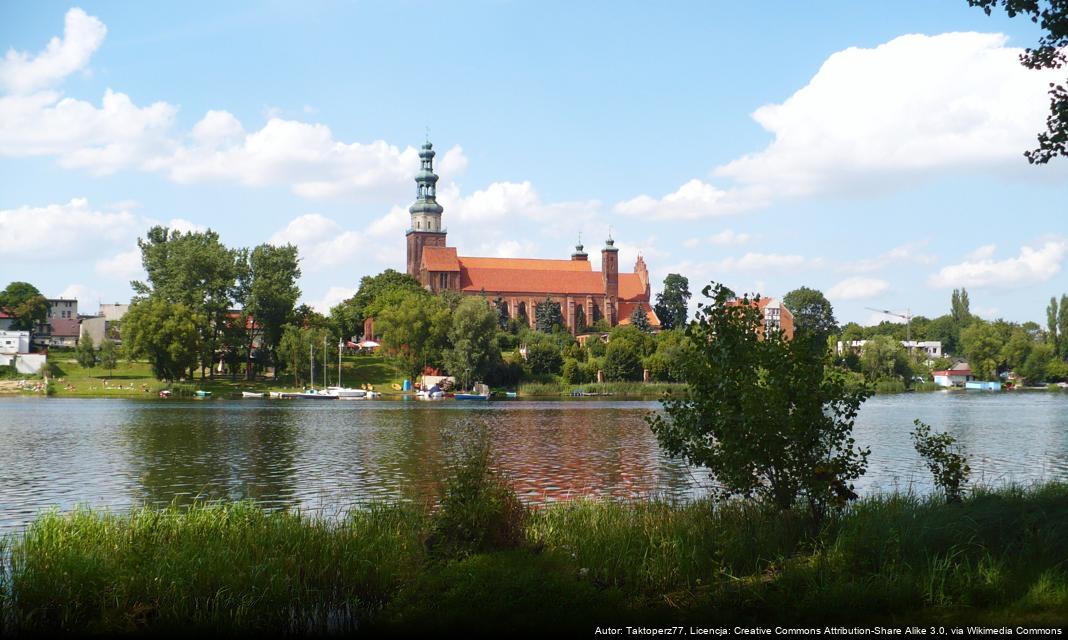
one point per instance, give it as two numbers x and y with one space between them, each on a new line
425 229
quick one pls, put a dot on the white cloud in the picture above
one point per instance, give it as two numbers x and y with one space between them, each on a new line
729 237
768 262
125 266
88 298
82 35
877 318
981 270
858 288
695 199
906 253
983 252
331 298
321 242
63 231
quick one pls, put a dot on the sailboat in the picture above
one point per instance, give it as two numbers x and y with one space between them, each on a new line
343 393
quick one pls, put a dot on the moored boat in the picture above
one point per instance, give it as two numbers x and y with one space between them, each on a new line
201 394
252 394
480 392
346 393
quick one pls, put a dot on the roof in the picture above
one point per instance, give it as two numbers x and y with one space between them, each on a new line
440 259
65 327
952 372
631 287
525 264
627 308
540 281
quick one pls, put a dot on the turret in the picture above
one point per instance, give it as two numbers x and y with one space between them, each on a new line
610 276
425 229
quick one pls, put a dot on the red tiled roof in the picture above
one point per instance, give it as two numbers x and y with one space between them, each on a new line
631 287
440 259
627 308
952 372
541 281
525 264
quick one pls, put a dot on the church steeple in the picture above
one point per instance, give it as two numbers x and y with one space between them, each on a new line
426 212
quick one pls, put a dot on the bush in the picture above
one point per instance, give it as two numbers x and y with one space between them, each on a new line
944 458
544 357
479 510
505 374
623 362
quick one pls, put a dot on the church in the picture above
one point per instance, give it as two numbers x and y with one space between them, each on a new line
584 295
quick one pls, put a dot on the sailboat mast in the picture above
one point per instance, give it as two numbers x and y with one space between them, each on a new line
311 358
340 342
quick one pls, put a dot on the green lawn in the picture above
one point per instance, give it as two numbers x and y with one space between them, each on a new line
134 379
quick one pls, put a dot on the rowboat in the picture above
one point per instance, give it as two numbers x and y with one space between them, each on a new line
346 393
202 394
252 394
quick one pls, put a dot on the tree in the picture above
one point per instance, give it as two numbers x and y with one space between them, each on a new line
812 313
109 355
472 335
1062 327
1015 350
544 357
885 357
547 316
270 295
960 308
166 333
23 301
764 414
415 330
1035 368
85 353
298 347
350 314
944 330
672 304
640 320
982 349
1052 334
1052 17
502 312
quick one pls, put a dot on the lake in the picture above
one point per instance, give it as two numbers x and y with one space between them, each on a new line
326 457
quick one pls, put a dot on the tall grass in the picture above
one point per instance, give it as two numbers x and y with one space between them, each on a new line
996 556
632 389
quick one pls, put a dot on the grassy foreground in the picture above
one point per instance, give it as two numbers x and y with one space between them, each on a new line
999 558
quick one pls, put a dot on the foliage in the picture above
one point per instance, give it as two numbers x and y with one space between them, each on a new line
764 415
943 457
298 347
982 348
165 333
672 304
502 312
960 308
812 312
639 320
472 337
1052 17
23 301
414 329
883 356
623 360
271 293
109 355
544 357
85 353
350 314
479 510
1053 335
1062 327
547 316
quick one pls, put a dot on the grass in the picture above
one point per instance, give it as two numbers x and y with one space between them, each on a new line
624 389
135 379
999 557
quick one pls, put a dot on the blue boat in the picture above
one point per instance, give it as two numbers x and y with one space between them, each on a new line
480 392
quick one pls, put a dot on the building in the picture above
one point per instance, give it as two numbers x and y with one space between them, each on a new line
958 375
584 295
931 348
15 350
12 342
6 320
105 323
61 325
776 317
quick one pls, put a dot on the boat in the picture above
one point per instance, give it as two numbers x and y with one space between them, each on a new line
201 394
346 393
165 393
433 393
252 394
313 394
480 392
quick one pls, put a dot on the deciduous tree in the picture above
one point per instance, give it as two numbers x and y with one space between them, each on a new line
672 304
812 312
165 333
23 301
472 337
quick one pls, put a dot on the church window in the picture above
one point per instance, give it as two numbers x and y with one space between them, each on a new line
443 281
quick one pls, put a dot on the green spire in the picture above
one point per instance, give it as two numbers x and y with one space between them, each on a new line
426 184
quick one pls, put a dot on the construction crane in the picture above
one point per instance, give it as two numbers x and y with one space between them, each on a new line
908 322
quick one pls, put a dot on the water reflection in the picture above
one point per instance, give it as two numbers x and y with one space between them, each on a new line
327 457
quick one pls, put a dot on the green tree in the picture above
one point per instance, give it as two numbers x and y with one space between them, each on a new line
415 330
472 335
270 294
299 347
23 301
765 416
640 320
1062 327
1015 350
885 357
982 348
623 357
812 312
1052 334
668 362
945 459
1052 17
502 312
547 316
672 304
109 355
1035 368
544 357
960 308
85 353
165 333
944 330
349 315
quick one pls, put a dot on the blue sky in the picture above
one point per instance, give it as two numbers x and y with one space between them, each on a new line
871 150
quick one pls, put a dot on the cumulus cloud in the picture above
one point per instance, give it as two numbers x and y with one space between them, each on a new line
910 253
980 269
125 266
858 288
82 35
876 118
88 298
768 262
321 242
59 231
331 298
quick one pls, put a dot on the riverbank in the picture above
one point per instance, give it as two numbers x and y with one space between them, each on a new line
1000 558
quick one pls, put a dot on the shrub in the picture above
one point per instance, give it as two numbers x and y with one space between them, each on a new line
544 357
479 510
944 458
623 361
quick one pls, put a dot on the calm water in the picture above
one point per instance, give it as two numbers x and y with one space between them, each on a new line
328 456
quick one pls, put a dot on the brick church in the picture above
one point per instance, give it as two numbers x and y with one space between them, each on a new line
584 295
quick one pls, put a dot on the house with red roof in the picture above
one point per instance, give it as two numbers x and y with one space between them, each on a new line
584 295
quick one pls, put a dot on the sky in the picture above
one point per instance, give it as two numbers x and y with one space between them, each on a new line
870 150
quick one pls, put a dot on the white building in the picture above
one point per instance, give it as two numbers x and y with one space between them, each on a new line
12 342
931 348
15 350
